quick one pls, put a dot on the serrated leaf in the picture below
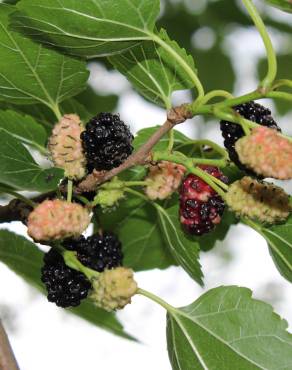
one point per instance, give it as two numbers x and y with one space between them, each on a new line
19 169
88 28
279 238
285 5
185 251
24 128
152 72
31 73
136 223
180 23
226 329
25 259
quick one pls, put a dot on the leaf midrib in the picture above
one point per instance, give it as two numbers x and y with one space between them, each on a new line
75 36
104 20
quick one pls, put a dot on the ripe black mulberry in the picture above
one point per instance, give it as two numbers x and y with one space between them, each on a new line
66 287
107 142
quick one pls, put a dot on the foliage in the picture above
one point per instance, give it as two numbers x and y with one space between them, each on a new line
44 48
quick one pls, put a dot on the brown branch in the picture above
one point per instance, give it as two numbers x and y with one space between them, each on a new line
18 210
175 116
7 358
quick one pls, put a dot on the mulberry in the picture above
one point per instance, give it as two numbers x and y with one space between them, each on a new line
107 142
66 147
57 219
267 153
201 207
113 289
231 132
98 252
163 179
261 201
66 287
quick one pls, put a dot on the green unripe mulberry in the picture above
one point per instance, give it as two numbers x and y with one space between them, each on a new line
113 289
261 201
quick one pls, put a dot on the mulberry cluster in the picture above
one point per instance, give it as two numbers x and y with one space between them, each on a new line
267 153
66 287
98 252
107 142
231 132
257 200
163 179
201 207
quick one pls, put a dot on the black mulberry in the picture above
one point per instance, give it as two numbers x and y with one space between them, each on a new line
98 252
107 142
66 287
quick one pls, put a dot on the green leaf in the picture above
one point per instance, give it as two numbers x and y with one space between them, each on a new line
152 71
181 24
279 238
30 73
18 168
136 223
285 5
208 241
6 189
86 105
24 128
88 28
144 135
184 250
8 1
226 329
45 116
95 103
25 259
21 256
101 318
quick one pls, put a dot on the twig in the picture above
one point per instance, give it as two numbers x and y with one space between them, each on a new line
7 358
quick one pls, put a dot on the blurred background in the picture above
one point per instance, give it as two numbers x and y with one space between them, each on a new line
229 55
